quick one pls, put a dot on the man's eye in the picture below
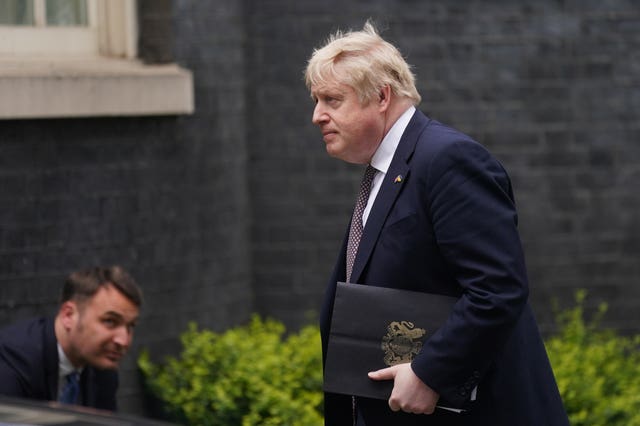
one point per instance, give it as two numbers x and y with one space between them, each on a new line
109 322
331 100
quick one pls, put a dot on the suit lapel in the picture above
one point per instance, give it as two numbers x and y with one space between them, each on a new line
51 360
87 397
391 187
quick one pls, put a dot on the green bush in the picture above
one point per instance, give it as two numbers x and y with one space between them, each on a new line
249 375
253 375
598 371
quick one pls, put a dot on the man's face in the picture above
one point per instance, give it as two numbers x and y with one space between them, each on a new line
351 131
100 330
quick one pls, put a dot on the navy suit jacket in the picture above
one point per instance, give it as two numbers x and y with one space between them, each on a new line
29 367
449 226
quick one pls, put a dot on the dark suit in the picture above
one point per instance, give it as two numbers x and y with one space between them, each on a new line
450 227
29 367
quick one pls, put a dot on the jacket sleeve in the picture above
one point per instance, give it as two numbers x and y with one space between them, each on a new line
14 372
472 210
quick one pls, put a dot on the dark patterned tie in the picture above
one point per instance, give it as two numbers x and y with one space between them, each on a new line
71 388
355 232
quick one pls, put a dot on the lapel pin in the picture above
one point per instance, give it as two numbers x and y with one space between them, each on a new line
398 179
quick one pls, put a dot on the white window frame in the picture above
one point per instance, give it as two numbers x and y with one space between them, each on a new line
53 75
111 31
117 34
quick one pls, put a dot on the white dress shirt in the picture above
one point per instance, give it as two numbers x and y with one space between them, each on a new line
64 368
381 160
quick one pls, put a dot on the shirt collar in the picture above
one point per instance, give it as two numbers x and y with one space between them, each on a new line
381 160
64 365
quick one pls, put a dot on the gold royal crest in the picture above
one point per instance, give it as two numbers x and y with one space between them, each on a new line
402 342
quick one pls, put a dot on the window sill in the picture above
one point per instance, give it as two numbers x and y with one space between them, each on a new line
92 87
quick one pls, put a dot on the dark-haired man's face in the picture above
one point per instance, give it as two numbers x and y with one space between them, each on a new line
100 330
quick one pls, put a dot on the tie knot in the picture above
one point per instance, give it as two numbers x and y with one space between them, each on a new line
71 388
369 172
367 180
72 377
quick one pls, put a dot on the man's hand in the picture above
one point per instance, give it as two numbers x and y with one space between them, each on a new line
409 394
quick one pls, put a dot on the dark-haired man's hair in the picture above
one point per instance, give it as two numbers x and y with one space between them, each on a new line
83 285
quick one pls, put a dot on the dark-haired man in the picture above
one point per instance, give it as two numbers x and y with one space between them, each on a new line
72 358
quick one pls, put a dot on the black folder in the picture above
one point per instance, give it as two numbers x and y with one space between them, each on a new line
376 327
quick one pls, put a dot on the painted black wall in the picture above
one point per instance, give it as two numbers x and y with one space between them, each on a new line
551 87
238 209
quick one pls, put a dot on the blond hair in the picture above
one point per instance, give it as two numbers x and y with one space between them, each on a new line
364 61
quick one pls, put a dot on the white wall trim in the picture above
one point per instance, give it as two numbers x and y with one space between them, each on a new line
117 32
90 87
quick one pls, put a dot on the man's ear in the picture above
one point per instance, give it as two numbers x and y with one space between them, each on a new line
68 314
384 97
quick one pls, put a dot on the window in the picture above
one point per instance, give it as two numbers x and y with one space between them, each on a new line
67 27
82 53
42 12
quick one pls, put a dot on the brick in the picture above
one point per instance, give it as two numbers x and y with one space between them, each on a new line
238 209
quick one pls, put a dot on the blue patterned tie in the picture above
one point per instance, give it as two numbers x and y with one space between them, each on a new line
71 388
355 232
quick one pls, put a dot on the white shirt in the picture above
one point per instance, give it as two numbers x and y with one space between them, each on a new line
381 160
64 367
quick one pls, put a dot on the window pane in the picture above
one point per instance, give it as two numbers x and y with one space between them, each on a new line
16 12
67 13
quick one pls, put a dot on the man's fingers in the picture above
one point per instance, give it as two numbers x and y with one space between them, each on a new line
388 373
393 404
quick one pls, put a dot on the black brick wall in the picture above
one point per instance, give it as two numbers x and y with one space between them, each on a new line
237 208
551 87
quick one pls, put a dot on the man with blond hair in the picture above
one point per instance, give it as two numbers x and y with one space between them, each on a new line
440 218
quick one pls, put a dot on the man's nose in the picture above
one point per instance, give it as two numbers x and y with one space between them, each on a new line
123 337
319 115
